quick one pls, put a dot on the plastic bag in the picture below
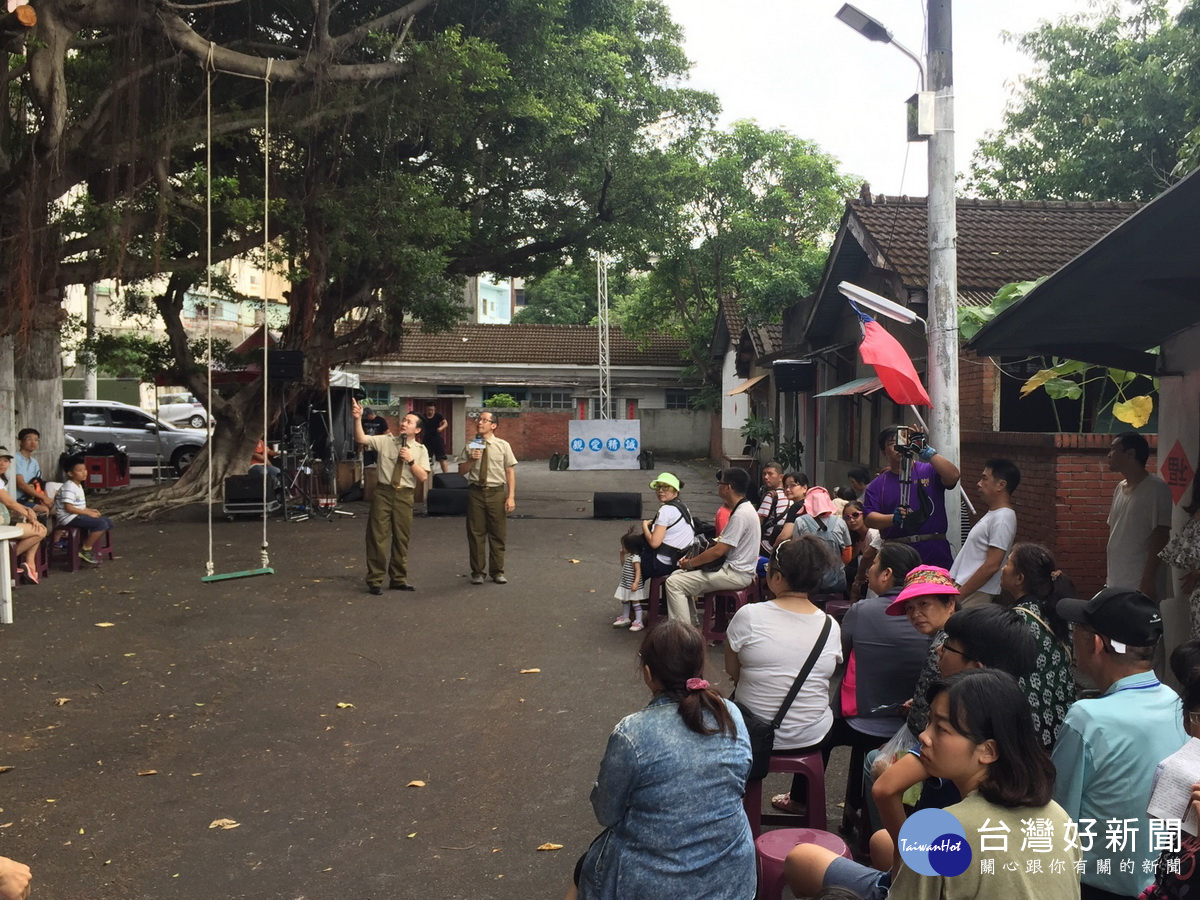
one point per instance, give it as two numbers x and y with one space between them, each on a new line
897 745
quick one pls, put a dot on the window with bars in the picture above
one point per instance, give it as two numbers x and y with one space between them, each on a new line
679 398
377 394
551 400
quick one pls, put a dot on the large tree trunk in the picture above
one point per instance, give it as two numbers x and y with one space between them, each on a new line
8 387
38 396
238 423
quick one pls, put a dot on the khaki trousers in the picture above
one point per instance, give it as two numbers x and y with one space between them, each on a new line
682 586
487 522
389 524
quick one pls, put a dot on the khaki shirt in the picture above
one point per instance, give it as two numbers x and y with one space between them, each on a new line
388 447
500 458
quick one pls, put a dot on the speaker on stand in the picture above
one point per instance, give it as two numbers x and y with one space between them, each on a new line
795 376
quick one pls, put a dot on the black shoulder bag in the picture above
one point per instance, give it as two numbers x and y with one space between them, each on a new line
762 732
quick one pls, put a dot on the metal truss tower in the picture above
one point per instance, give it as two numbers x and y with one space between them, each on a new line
602 331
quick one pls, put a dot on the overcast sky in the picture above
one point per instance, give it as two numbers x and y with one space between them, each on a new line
790 64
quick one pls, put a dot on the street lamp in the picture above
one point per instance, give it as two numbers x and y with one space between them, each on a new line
942 227
881 305
874 30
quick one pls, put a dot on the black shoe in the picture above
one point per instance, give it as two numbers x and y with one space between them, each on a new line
374 590
394 586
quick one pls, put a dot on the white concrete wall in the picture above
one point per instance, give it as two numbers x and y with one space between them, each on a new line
734 410
1179 420
675 432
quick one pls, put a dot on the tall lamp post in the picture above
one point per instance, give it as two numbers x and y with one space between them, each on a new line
937 77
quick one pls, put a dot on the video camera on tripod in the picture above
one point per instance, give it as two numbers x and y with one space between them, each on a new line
915 506
910 443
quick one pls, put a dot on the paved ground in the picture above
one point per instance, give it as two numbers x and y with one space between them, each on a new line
302 708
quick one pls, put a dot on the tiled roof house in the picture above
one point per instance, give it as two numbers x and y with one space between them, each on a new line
546 367
881 246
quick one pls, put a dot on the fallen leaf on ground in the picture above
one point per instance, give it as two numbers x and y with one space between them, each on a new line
550 847
415 784
61 701
6 768
104 624
6 825
573 561
345 706
148 772
224 823
530 671
413 835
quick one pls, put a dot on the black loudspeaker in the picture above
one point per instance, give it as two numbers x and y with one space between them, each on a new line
285 365
795 376
247 488
446 502
615 505
449 481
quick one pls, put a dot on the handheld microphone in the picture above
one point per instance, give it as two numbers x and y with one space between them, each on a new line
403 441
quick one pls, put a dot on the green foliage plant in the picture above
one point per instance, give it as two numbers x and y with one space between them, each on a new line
1066 379
502 401
1110 112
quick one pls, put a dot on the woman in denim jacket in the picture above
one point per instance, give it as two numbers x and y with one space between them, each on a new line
669 793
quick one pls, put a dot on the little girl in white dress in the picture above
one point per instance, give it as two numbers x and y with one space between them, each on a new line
633 589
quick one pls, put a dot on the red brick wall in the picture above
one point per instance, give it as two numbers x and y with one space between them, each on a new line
534 434
1065 493
976 389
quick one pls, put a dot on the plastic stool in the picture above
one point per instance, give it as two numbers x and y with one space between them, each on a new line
773 847
812 768
41 559
658 593
102 550
725 604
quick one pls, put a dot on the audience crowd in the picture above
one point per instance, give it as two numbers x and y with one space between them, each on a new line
977 683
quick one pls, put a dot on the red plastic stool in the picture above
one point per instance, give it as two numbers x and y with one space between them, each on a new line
774 846
41 558
658 595
723 604
102 550
809 765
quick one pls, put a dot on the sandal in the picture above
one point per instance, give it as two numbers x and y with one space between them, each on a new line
30 573
784 803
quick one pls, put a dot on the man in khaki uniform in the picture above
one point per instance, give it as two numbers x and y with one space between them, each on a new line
492 495
402 464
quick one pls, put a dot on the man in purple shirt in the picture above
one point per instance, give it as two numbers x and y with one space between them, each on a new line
932 476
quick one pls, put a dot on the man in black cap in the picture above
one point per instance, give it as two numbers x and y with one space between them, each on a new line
1109 746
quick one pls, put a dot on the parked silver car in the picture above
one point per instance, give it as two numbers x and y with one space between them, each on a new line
141 434
181 410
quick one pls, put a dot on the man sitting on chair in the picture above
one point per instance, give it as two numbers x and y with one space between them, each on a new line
736 547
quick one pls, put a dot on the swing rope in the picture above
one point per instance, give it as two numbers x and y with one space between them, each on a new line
265 561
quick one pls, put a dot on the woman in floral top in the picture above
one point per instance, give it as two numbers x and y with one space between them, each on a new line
1030 576
1183 552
